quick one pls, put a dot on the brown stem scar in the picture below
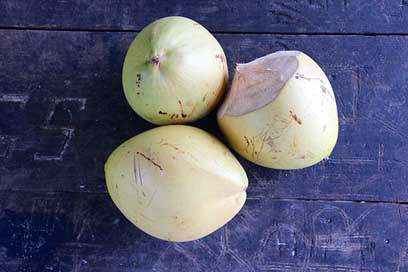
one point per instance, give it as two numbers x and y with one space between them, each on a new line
155 60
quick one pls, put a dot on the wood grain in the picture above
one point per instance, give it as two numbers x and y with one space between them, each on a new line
278 16
77 232
62 111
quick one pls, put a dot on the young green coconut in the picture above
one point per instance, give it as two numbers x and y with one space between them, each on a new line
176 183
175 71
280 112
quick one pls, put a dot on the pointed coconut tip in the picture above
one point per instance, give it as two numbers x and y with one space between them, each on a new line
257 83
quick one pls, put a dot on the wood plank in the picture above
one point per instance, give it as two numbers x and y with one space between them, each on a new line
292 16
85 232
62 111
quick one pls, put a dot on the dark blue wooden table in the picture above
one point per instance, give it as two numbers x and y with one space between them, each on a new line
62 111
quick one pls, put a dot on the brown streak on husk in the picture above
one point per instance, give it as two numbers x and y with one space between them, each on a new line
150 160
181 107
296 118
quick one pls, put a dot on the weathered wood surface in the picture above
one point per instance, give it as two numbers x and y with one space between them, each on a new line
62 111
85 232
294 16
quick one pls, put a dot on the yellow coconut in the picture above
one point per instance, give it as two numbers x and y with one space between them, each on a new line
175 71
281 111
176 183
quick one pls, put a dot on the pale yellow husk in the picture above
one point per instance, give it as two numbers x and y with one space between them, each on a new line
297 128
187 79
176 183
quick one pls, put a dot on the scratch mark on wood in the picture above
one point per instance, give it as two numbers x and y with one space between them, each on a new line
352 161
57 100
370 181
75 260
359 220
28 9
179 248
246 213
204 246
289 267
266 237
82 245
245 219
356 93
314 4
7 146
283 5
224 241
331 209
22 99
380 164
341 109
85 225
69 133
160 258
390 128
240 260
48 210
404 250
79 100
342 242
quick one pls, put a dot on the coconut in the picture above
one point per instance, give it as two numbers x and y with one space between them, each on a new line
176 183
174 72
280 111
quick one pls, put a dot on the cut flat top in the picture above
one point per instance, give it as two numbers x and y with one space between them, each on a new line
293 16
